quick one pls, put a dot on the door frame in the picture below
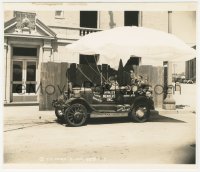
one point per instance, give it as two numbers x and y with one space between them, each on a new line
24 60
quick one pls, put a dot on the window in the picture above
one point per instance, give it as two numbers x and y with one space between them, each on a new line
88 59
20 51
131 18
59 14
88 19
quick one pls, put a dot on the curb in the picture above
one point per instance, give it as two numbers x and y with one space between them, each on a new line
177 111
22 104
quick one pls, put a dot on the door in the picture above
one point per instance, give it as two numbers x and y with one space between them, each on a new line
24 80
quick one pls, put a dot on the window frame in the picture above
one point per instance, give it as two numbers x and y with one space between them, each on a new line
59 16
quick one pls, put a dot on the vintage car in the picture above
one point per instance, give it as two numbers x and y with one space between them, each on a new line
74 107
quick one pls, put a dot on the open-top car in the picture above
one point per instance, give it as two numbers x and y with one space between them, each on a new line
114 45
77 105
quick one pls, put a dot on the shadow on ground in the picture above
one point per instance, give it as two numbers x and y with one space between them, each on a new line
155 117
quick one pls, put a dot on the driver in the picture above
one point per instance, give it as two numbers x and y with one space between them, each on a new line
139 81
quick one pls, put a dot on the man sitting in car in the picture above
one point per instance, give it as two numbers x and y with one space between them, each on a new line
139 81
113 83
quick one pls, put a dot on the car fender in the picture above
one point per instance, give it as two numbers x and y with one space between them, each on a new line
142 99
81 101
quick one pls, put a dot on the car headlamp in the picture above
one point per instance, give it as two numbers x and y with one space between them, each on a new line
150 89
148 94
134 88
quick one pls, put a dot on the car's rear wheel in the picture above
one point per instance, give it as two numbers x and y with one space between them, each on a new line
140 112
76 115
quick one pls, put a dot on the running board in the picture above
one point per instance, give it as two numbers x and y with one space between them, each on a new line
108 114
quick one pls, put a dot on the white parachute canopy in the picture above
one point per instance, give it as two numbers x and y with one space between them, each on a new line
123 42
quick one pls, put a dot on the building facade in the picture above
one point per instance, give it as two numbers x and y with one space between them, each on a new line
190 70
36 37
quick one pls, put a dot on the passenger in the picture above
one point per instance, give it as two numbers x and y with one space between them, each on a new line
113 83
140 81
132 77
131 81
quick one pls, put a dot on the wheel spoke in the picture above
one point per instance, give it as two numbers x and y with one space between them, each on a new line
71 119
73 110
71 114
77 110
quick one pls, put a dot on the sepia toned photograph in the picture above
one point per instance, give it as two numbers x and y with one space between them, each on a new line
99 84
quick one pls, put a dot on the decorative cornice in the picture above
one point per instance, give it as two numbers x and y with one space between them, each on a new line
28 36
26 27
41 24
10 23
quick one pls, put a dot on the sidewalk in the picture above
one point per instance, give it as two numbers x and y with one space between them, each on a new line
186 100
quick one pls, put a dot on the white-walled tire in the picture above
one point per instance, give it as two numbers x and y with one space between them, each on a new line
140 112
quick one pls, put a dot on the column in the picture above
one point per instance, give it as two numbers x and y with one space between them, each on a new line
140 19
5 67
40 58
47 51
169 102
8 89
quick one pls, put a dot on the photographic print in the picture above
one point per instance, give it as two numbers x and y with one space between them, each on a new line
99 84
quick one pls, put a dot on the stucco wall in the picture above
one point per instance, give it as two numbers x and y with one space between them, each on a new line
71 18
8 15
183 23
184 26
111 18
60 54
156 20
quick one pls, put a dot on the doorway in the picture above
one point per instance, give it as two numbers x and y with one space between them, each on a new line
24 79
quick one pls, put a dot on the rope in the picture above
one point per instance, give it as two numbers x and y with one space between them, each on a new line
92 67
99 71
83 74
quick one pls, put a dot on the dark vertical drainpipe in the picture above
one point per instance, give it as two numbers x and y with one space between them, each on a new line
111 23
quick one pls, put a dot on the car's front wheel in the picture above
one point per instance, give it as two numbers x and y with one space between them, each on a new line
76 115
140 112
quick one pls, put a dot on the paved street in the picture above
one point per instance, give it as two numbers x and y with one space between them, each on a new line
32 136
